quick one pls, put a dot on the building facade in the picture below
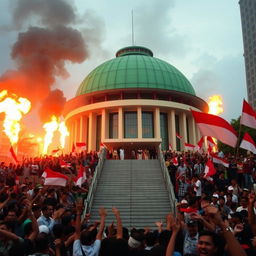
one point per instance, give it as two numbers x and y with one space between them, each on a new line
248 20
133 101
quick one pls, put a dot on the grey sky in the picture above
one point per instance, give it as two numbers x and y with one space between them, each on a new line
202 38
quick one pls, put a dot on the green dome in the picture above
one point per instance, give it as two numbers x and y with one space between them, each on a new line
135 67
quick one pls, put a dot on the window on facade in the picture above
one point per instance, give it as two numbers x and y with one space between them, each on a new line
164 131
147 125
130 125
113 125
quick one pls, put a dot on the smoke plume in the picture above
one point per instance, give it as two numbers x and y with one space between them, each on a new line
40 53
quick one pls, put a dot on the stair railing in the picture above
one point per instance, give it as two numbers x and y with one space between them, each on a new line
167 180
95 179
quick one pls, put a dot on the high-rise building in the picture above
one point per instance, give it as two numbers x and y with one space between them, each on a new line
248 20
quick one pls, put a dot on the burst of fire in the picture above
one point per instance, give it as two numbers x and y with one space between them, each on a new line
215 105
63 133
50 128
14 108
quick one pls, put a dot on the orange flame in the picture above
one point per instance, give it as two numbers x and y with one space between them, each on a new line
14 108
50 128
215 105
63 133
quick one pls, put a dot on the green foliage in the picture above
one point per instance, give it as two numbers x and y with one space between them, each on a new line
241 130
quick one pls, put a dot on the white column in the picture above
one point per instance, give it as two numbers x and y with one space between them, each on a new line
83 129
183 129
92 132
157 123
192 132
172 129
120 123
139 119
103 124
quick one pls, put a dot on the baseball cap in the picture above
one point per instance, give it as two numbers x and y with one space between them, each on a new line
184 201
44 229
215 195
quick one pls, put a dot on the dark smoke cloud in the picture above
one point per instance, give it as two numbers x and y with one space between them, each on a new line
40 53
49 12
52 105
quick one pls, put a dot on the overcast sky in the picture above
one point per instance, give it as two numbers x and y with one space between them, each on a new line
202 38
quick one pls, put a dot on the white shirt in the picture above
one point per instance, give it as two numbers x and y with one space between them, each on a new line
198 188
89 250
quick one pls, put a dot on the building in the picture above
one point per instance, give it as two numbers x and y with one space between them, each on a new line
135 101
248 20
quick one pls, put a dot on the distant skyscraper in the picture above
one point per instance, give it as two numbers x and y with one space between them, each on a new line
248 19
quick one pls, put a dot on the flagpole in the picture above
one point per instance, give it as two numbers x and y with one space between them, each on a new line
237 143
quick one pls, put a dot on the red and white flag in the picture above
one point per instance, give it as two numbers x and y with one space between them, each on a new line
170 147
200 143
54 178
248 117
81 145
81 176
13 155
55 151
209 169
175 161
218 160
102 145
215 126
178 136
63 164
17 180
248 143
189 147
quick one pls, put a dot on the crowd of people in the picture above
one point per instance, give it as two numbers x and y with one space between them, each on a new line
139 153
214 216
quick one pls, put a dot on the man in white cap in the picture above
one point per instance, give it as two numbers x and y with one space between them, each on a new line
234 197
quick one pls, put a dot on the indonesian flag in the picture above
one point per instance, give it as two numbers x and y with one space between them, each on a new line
63 164
189 147
102 145
248 117
218 160
81 176
209 169
200 143
55 151
81 145
13 155
170 147
175 161
54 178
248 143
215 126
178 136
17 180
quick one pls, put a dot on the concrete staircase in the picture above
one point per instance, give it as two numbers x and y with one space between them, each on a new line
136 188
